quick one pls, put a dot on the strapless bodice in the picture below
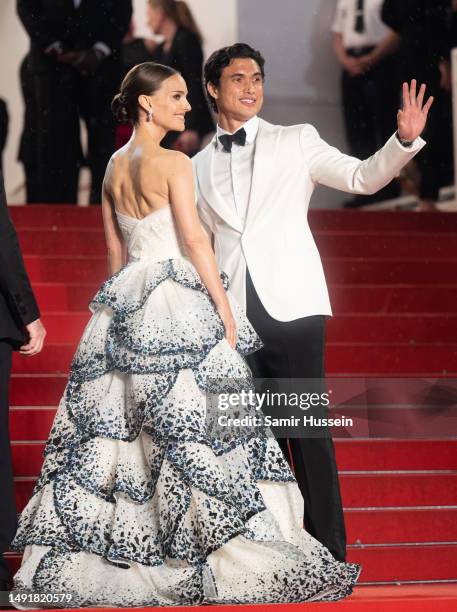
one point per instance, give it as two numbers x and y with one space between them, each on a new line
153 237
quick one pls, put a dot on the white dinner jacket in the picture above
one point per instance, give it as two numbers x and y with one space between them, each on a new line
276 242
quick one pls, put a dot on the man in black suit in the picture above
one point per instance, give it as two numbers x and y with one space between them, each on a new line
20 328
3 129
423 30
74 62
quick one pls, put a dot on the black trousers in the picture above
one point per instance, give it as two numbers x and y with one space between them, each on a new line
62 97
370 108
295 349
8 516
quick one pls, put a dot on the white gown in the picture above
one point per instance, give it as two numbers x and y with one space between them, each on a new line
137 504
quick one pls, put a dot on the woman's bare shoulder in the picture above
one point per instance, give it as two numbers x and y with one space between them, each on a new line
176 160
167 163
115 163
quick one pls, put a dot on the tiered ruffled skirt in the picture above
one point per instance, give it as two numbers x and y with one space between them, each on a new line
138 502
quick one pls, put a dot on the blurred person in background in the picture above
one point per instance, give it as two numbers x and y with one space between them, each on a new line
445 66
20 329
4 121
422 28
364 46
454 23
181 49
28 143
75 69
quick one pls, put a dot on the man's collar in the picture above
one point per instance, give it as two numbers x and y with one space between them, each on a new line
251 127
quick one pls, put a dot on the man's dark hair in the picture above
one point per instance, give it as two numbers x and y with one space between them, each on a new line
222 58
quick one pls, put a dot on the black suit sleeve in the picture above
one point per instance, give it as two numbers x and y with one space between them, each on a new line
116 24
424 23
31 14
3 124
453 30
14 282
189 59
392 15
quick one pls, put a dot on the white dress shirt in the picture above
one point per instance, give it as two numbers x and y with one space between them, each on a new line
345 19
233 171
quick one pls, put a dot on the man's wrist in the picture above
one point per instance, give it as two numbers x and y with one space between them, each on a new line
402 141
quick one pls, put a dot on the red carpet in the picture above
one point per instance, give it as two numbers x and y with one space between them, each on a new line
393 283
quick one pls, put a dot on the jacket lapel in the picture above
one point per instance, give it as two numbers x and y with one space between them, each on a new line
263 170
205 174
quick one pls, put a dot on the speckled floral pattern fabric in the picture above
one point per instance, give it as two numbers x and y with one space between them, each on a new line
138 503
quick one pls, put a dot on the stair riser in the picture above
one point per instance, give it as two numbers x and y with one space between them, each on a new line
52 360
395 526
46 217
381 221
359 360
351 455
386 490
345 300
361 491
391 360
330 244
341 220
66 299
409 563
384 245
396 454
94 270
62 242
381 300
64 328
36 391
385 272
391 329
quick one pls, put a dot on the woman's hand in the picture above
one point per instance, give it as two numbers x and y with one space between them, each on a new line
413 117
226 315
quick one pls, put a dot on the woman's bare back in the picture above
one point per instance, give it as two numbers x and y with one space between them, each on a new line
136 179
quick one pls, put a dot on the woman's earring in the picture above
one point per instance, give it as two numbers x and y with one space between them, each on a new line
149 115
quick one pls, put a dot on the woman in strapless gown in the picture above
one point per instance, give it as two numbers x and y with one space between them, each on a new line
139 503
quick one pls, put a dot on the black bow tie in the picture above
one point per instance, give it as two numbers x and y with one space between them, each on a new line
360 17
227 140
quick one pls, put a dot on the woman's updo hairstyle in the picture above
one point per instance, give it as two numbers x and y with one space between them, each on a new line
143 79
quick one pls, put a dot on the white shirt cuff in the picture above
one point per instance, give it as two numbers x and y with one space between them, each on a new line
55 46
416 145
103 48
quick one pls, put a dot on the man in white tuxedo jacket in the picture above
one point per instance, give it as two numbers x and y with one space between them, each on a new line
254 182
